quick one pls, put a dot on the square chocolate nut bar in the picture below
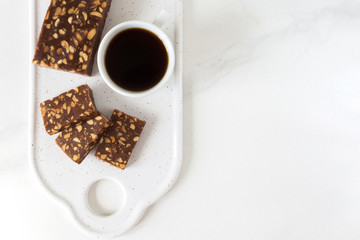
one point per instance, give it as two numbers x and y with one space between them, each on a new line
70 35
67 109
118 142
79 140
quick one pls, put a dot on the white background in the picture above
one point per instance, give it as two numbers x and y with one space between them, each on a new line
271 119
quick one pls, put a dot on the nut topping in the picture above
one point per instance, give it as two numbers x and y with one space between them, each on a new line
57 13
82 138
62 111
119 141
77 22
96 14
91 34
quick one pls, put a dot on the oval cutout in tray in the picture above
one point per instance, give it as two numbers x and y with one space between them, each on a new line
156 160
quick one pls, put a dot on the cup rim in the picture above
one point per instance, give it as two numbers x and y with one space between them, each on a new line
129 25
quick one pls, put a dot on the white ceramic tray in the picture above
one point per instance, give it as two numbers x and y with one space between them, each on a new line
156 160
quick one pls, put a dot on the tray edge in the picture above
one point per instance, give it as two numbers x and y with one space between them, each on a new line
143 205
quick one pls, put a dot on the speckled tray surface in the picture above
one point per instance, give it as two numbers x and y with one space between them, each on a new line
156 161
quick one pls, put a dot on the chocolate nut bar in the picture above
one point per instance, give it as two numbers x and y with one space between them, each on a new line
68 109
118 142
70 35
79 140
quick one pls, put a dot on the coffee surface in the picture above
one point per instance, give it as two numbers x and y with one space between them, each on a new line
136 59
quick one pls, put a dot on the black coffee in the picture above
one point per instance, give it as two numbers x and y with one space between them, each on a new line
136 59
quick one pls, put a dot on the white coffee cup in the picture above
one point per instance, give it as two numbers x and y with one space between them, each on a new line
135 25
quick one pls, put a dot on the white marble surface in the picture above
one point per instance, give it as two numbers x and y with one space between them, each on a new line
272 127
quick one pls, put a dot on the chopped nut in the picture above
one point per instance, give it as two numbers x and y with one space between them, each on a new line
84 56
57 22
75 99
96 2
79 128
84 15
65 45
63 11
71 49
71 10
91 34
76 140
136 139
59 51
90 122
96 14
78 36
57 13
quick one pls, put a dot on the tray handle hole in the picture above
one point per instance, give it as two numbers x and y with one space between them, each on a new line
105 197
